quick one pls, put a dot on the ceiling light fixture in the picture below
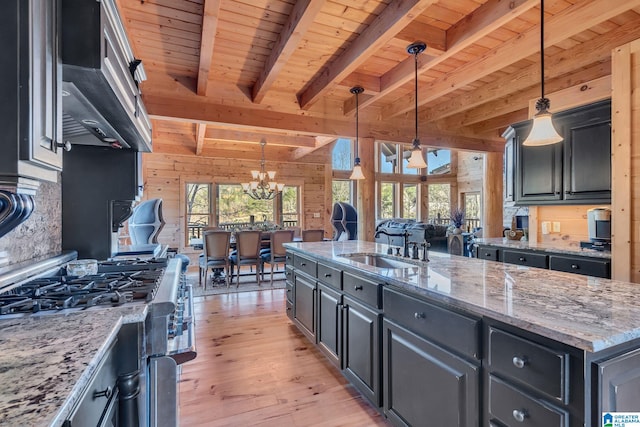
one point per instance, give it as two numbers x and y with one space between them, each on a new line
357 169
542 131
263 186
416 161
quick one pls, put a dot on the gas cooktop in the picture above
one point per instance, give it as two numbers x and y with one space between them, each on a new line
117 283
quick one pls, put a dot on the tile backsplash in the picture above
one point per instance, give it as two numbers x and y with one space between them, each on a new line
40 236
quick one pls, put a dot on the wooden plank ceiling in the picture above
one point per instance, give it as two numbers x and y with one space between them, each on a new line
222 74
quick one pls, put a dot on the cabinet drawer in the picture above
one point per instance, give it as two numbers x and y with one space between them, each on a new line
364 290
578 265
513 407
288 273
289 259
289 286
544 369
289 309
525 258
330 276
305 264
446 327
491 254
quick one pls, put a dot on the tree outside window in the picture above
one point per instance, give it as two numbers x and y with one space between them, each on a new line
439 203
341 155
387 199
410 201
341 191
198 208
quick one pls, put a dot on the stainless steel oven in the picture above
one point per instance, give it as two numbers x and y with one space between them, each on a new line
136 381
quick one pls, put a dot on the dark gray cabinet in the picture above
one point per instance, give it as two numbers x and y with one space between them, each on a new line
577 264
304 305
329 332
619 383
531 380
361 347
288 273
30 88
431 363
574 171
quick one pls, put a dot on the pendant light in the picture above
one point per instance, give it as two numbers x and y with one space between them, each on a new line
357 169
416 161
542 131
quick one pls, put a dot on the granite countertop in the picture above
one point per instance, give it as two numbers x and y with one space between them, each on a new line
589 313
568 249
47 360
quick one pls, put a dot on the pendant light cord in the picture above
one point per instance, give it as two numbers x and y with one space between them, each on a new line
357 107
416 92
542 48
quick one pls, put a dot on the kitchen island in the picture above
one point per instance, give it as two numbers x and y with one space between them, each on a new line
47 360
503 343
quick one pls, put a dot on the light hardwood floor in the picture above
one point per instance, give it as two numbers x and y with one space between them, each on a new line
254 368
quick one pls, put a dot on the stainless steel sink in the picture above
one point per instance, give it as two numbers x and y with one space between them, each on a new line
379 260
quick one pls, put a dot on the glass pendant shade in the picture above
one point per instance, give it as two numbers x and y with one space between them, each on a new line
357 172
542 132
416 161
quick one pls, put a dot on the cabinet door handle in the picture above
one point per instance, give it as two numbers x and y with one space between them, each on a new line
419 315
519 415
487 255
519 362
522 259
357 287
575 266
303 264
327 274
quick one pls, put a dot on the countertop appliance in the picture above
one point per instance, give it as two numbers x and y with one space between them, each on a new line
130 387
599 226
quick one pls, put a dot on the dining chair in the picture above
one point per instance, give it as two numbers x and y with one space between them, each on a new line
215 254
312 235
248 244
277 252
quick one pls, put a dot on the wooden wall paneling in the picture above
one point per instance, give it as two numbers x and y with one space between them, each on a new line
625 137
492 195
366 203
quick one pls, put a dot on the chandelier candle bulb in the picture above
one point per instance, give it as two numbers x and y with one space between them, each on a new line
264 185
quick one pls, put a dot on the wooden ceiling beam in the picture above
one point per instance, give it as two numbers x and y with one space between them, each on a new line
244 137
196 109
484 20
299 21
571 21
435 38
582 56
321 141
201 130
393 18
207 42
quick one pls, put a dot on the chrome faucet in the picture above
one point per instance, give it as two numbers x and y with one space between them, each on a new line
404 235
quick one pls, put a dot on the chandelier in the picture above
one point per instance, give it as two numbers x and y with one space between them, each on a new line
263 185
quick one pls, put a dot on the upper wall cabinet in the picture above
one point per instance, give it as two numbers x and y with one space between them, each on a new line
574 171
30 89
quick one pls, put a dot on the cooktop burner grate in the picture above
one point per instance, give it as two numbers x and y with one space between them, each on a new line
122 283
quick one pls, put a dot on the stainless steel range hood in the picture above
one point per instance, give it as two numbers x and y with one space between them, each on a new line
101 99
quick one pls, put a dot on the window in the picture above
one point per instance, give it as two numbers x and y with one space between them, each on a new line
198 209
341 191
387 199
472 209
439 203
410 201
341 155
438 161
389 159
290 206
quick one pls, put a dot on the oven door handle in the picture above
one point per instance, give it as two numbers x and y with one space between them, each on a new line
183 347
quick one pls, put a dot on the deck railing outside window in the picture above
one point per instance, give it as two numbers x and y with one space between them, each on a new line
195 230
